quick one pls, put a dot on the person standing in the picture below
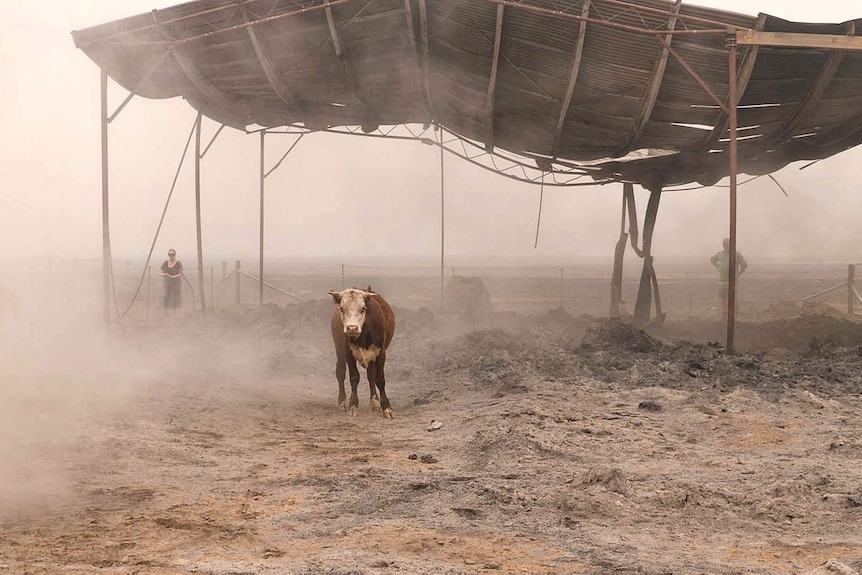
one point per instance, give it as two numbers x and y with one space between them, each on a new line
721 261
172 271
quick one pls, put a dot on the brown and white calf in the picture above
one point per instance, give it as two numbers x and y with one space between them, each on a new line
362 328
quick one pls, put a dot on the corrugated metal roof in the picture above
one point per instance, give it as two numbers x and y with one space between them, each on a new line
327 63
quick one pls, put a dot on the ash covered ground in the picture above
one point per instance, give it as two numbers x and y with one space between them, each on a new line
548 443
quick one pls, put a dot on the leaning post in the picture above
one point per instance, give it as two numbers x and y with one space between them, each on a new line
198 211
732 101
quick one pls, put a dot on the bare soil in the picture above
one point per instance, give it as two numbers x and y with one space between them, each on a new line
561 444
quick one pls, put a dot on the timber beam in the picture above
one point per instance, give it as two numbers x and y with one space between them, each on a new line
798 40
266 64
651 95
492 81
818 89
577 57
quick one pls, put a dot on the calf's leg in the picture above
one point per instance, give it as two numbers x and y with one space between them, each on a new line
340 373
353 406
380 381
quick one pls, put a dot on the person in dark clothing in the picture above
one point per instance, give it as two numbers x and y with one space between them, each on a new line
721 261
172 271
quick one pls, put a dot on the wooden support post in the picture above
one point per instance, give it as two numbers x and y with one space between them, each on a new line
236 272
619 254
643 305
851 288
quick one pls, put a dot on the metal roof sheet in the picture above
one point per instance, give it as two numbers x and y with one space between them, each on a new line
369 63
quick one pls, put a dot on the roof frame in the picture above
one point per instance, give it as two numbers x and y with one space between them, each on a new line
411 33
492 79
574 71
281 90
817 90
651 95
743 76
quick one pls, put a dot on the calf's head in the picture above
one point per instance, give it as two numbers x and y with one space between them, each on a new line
352 304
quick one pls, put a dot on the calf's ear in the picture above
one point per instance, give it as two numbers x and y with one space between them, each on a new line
336 296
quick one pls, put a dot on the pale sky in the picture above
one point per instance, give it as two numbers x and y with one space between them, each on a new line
51 195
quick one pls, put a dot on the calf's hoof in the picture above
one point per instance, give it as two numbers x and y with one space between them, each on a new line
387 413
342 405
375 403
352 411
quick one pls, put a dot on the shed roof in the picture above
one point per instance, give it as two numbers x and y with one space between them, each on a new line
522 76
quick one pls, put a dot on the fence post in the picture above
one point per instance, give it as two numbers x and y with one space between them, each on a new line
237 266
561 289
148 292
851 288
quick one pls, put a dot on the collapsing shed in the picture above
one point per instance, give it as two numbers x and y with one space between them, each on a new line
652 92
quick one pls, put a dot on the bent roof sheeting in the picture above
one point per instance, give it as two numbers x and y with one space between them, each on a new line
383 62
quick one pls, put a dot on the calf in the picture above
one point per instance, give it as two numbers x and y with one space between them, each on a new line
362 328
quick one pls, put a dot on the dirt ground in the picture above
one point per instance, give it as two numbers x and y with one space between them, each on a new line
546 443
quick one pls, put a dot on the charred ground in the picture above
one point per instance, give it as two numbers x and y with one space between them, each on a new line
564 444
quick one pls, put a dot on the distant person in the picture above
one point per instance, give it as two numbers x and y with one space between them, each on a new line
721 260
172 271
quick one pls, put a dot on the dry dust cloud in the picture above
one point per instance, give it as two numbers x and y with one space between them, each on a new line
68 381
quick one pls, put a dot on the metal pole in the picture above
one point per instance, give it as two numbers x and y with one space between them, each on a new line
851 288
442 219
561 289
237 266
262 178
732 105
106 232
198 211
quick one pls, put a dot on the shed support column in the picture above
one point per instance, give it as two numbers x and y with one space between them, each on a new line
442 218
262 179
619 254
732 119
106 230
198 212
644 301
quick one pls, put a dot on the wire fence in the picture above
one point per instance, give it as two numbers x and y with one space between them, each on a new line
688 289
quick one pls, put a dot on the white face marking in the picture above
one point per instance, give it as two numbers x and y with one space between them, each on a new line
365 355
353 308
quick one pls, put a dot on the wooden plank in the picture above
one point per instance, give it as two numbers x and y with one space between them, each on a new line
212 94
267 66
411 33
815 94
492 80
577 56
426 51
798 40
649 100
742 79
333 31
